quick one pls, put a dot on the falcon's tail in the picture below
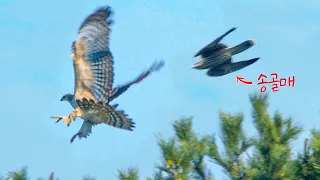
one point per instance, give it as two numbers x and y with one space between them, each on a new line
241 47
116 92
104 113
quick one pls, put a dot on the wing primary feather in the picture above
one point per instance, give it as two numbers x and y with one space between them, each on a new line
214 43
117 91
101 14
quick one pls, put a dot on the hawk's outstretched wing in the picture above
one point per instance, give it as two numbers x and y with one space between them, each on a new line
117 91
92 59
103 112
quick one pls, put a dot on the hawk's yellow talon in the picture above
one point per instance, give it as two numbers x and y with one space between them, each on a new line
65 119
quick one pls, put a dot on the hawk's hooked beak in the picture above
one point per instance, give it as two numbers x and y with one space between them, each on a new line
61 99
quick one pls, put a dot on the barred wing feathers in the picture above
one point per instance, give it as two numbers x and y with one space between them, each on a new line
93 61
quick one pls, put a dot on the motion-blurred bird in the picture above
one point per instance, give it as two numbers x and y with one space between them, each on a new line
217 57
93 68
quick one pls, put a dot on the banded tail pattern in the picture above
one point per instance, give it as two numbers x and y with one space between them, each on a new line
106 114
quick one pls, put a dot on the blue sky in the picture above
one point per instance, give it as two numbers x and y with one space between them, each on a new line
36 71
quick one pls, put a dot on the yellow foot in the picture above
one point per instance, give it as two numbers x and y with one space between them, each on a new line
64 118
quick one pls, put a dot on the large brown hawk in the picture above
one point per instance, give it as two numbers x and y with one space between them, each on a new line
93 70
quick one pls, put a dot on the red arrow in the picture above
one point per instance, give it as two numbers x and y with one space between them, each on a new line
241 79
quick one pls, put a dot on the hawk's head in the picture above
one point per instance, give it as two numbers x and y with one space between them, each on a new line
67 97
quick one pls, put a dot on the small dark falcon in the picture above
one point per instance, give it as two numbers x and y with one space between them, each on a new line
217 57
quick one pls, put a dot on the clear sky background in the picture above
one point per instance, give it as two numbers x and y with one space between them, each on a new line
36 70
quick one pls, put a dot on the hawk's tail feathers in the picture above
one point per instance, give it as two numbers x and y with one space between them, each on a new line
112 117
118 118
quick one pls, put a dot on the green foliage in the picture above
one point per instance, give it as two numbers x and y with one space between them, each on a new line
183 154
21 174
272 153
271 158
131 174
308 162
157 176
235 144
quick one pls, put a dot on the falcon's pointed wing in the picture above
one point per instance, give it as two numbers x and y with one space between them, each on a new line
107 114
117 91
213 49
214 44
92 59
230 67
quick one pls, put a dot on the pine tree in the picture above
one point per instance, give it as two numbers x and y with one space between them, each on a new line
131 174
157 176
235 144
308 162
271 159
272 153
21 174
183 154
